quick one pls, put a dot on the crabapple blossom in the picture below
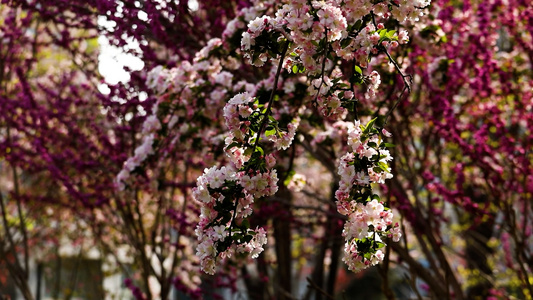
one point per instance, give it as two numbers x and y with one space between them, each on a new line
368 220
221 232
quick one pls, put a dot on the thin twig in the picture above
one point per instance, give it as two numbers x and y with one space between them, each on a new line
323 67
319 289
22 221
407 79
271 100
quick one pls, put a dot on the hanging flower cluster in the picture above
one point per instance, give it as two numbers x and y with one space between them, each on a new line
227 197
228 193
369 221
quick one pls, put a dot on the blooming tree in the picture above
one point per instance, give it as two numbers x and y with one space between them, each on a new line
472 158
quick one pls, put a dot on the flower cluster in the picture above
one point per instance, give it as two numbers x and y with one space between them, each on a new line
369 221
282 139
150 127
314 29
237 113
329 98
227 193
227 197
182 82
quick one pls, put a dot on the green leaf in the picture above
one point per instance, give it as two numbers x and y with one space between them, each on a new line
369 126
270 132
356 79
358 70
234 144
378 169
260 150
248 152
245 224
295 69
345 43
237 237
358 25
379 245
383 166
248 238
288 179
